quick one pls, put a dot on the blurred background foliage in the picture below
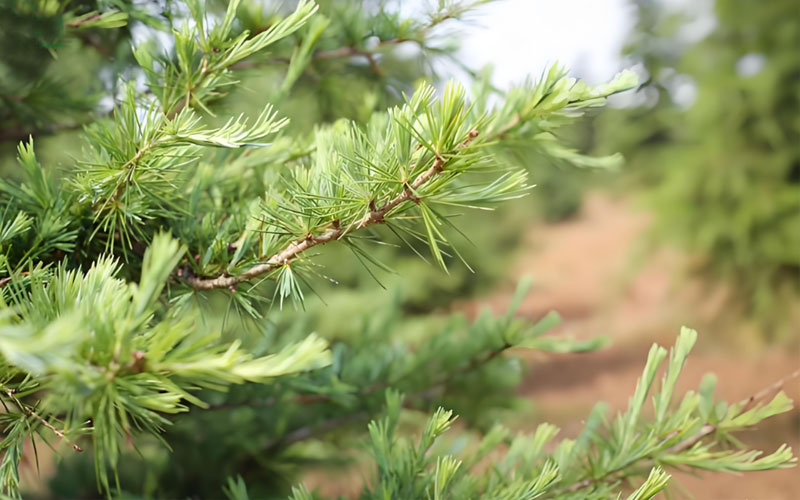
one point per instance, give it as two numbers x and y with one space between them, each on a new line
711 139
713 144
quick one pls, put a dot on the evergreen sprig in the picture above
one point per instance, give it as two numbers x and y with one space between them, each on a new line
403 166
98 352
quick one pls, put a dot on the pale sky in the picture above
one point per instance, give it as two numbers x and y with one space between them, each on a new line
522 37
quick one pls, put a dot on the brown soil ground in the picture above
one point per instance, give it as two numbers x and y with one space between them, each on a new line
583 269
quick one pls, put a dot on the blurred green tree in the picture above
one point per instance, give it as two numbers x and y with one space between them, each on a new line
715 140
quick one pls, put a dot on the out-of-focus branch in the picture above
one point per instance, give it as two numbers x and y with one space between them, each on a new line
17 134
311 431
353 51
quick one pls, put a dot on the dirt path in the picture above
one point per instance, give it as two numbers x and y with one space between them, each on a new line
582 268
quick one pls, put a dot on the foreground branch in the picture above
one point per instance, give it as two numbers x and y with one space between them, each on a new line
690 441
747 404
297 247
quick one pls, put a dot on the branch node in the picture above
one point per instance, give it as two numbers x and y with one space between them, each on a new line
138 361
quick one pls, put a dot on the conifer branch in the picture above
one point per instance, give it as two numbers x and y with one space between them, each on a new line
706 430
297 247
588 467
311 431
88 351
351 51
747 404
307 399
765 392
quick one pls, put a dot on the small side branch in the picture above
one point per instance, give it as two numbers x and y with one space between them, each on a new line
16 134
32 413
690 441
353 51
767 391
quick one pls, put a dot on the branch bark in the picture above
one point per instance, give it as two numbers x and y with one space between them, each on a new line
353 51
747 404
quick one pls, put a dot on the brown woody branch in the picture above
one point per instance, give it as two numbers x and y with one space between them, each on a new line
5 281
765 392
77 23
297 247
329 55
350 51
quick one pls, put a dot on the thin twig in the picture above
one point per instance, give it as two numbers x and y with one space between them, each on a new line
352 51
17 134
763 393
691 440
32 413
80 22
310 431
306 399
5 281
